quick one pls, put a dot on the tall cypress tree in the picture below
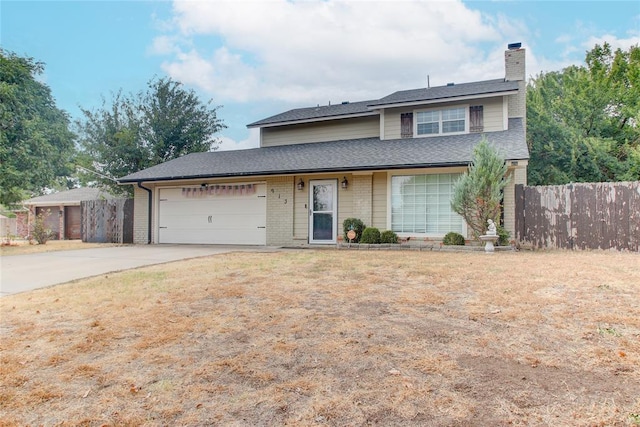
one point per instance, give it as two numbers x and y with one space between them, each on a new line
477 194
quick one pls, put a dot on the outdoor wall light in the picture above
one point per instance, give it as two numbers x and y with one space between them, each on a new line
345 183
301 184
60 213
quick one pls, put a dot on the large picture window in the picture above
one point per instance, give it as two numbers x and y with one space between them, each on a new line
437 122
421 204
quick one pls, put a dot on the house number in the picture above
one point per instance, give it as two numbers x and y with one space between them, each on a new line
279 195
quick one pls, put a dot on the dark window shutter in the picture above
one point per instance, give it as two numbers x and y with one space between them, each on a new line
406 125
476 119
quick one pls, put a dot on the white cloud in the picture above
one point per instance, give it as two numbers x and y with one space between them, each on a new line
252 141
615 42
223 74
163 45
335 50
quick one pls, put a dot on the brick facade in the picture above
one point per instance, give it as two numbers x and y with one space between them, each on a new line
514 62
518 176
140 216
280 207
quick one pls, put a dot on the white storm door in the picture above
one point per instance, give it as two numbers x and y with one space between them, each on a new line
323 212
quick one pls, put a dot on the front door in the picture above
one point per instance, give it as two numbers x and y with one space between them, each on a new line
323 214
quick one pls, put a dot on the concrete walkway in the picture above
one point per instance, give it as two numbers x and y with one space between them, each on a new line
21 273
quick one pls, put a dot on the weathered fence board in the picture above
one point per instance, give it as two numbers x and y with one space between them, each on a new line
8 227
107 221
602 215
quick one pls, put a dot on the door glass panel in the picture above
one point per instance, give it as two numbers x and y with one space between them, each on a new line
322 226
322 197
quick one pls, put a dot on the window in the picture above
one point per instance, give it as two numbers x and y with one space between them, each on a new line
422 204
437 122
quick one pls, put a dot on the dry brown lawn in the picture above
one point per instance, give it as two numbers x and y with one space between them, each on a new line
337 338
22 247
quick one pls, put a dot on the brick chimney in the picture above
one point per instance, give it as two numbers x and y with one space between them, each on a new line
514 62
515 70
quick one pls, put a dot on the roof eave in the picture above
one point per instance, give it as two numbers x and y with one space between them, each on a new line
296 172
53 203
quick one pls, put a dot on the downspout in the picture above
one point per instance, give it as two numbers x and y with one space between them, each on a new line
149 211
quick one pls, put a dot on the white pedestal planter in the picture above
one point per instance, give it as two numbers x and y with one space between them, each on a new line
489 240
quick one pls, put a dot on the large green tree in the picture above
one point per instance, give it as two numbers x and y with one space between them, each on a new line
36 145
583 122
133 132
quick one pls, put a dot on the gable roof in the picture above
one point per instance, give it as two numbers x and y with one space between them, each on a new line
336 156
366 108
75 195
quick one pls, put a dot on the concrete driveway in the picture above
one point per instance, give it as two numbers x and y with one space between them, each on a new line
21 273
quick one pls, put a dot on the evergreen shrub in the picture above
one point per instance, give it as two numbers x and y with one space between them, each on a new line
370 235
453 238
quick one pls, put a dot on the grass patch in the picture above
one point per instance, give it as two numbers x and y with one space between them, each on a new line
331 338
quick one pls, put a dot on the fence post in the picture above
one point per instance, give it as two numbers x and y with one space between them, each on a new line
520 213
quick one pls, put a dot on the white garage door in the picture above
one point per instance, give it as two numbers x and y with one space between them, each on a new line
229 214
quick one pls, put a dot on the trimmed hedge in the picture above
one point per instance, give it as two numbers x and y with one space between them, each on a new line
353 224
370 235
453 238
388 236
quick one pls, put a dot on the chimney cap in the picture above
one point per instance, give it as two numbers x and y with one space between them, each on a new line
513 46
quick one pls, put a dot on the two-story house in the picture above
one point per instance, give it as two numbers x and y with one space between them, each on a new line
390 162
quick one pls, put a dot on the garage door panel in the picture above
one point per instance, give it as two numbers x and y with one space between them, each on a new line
212 218
217 237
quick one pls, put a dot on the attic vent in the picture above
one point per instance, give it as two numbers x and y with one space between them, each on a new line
345 102
513 46
450 84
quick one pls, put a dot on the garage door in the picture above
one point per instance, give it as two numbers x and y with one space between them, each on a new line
229 214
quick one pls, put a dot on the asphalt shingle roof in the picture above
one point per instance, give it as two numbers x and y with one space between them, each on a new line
344 155
443 92
70 196
405 96
321 111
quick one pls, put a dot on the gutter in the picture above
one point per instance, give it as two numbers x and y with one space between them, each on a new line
345 169
148 190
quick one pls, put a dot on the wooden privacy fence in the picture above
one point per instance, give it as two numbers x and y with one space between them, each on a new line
8 227
602 215
107 221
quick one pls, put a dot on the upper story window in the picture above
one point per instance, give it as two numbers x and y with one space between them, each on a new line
441 122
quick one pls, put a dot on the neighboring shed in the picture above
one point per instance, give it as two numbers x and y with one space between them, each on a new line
62 211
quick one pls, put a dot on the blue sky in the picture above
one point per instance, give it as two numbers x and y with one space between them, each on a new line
259 58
